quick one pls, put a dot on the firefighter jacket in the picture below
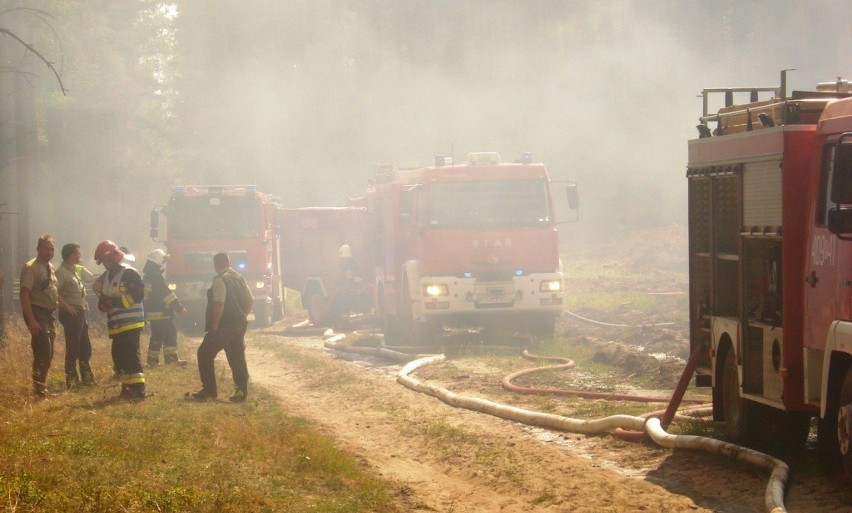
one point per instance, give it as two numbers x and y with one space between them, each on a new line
121 297
237 293
160 302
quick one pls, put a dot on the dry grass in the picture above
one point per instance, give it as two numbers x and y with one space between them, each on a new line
83 450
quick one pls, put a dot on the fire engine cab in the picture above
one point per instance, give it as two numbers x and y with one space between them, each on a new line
472 244
236 219
770 262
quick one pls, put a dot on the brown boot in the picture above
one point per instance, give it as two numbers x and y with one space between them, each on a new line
71 380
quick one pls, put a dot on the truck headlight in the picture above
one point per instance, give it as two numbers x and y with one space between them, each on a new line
550 286
436 290
259 284
172 286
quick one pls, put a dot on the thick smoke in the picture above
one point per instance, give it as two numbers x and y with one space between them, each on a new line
303 98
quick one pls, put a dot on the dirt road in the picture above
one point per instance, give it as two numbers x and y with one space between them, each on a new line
442 459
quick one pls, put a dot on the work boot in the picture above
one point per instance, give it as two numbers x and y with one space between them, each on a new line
153 361
40 391
134 392
137 391
172 359
87 374
71 380
204 395
239 396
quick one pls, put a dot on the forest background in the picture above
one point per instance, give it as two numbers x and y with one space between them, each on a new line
302 98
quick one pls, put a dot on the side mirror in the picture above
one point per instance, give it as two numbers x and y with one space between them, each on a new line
840 221
566 201
573 196
154 223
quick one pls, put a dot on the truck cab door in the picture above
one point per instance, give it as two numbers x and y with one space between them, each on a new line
821 272
839 215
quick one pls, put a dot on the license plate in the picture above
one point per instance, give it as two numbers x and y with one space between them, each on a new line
494 296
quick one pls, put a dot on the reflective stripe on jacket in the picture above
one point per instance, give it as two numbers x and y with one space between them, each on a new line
130 315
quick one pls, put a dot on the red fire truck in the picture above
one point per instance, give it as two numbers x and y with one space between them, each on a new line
465 244
203 220
770 263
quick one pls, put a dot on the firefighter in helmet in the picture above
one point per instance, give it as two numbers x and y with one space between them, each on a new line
120 294
349 289
161 306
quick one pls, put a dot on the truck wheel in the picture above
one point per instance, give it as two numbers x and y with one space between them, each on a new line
542 326
844 424
418 333
316 308
390 323
262 314
277 310
737 411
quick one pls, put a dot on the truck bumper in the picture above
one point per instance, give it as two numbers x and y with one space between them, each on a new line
454 297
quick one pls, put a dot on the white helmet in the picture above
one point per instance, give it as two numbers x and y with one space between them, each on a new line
158 256
344 251
128 256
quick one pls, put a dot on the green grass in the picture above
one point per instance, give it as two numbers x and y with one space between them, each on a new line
85 451
616 288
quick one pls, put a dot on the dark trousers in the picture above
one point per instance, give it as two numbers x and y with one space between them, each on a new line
163 335
78 346
125 357
42 345
232 340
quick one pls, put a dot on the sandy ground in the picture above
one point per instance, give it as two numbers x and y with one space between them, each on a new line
493 465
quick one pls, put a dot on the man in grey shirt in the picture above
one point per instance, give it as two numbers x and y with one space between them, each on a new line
73 309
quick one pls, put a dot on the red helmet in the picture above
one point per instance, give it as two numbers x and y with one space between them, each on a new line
107 248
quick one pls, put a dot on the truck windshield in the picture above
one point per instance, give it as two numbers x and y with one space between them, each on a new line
197 218
491 203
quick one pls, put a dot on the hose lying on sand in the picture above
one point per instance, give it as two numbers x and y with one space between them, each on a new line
567 363
628 427
306 329
773 496
613 325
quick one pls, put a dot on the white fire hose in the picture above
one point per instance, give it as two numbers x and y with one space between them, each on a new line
773 496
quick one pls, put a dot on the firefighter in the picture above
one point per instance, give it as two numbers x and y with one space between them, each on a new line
349 290
161 305
120 295
229 302
73 309
38 297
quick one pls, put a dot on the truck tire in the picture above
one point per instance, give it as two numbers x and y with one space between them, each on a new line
542 326
277 310
417 333
390 323
738 412
262 314
844 424
316 305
